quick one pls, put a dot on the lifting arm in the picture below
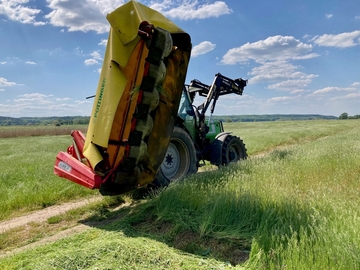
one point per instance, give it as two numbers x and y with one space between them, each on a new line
221 86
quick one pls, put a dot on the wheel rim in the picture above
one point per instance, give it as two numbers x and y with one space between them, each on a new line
234 153
176 161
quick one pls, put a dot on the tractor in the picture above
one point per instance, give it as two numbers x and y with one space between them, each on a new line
144 128
195 140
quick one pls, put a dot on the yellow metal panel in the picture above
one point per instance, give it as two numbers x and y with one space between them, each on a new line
127 18
121 74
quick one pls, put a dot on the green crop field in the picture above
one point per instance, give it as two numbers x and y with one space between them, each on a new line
294 204
27 181
26 131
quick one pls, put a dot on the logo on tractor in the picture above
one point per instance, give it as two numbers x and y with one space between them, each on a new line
98 104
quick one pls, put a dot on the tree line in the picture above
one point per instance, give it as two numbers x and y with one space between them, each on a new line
345 115
84 120
44 121
273 117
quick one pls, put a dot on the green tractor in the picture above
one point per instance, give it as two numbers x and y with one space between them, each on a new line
144 127
194 139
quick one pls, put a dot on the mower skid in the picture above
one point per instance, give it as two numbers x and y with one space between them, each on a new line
72 169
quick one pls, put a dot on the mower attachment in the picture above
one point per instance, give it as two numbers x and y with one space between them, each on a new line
135 105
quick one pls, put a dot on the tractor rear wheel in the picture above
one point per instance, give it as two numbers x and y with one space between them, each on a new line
180 159
233 150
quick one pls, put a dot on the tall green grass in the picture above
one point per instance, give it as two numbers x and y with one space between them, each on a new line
27 180
26 163
264 136
296 207
25 131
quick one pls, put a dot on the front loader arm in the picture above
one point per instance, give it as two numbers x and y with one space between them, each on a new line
221 86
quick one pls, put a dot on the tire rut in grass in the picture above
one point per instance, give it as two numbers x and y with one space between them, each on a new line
44 214
25 232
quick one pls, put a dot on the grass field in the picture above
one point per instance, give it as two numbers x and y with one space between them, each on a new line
294 204
26 131
27 181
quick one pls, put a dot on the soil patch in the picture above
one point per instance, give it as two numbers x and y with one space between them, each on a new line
44 214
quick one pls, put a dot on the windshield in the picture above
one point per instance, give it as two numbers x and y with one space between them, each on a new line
185 107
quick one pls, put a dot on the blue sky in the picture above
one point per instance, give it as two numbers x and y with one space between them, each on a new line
300 57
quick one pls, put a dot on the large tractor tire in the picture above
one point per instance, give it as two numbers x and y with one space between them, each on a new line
233 150
180 159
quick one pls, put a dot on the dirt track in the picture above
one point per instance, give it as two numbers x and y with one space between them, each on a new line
44 214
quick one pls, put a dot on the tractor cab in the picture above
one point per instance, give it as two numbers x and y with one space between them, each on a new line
204 132
187 113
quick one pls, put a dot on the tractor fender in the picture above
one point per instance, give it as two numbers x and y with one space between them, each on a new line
215 152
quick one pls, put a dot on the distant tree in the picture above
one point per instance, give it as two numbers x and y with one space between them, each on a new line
81 120
344 116
56 123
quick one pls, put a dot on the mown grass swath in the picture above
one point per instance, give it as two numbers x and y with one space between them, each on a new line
297 207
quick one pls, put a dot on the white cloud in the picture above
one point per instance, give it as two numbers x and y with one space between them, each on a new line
5 82
279 71
63 99
291 85
331 89
275 55
271 49
30 63
85 15
328 16
89 62
38 98
3 63
96 55
2 90
33 97
90 15
192 10
78 51
279 99
299 91
305 56
103 42
351 96
202 48
357 17
16 11
343 40
37 104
